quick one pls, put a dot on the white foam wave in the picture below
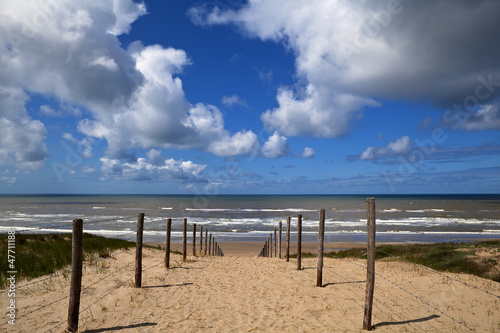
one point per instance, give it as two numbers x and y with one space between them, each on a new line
293 210
391 210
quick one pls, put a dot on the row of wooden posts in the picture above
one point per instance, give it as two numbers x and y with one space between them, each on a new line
207 246
270 247
210 247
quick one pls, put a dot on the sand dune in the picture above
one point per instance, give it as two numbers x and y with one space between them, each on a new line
249 294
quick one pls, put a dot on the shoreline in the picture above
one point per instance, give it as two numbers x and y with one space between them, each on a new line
252 248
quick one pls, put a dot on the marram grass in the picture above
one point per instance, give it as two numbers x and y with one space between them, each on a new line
42 254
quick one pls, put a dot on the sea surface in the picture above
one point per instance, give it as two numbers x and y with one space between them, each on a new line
402 218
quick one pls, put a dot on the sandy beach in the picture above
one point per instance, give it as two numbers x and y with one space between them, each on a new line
243 293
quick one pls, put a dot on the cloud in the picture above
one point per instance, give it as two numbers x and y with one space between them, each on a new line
266 75
84 147
486 118
9 181
241 143
44 46
234 100
149 169
158 115
88 169
308 152
275 146
401 146
21 139
316 114
337 43
126 12
404 151
63 111
133 97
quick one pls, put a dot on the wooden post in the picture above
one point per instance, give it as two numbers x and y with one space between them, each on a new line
271 247
275 244
201 240
370 265
288 238
299 242
213 246
138 251
321 247
167 243
265 249
279 246
194 239
210 246
76 275
184 242
206 241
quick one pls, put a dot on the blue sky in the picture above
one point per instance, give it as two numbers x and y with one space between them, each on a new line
218 97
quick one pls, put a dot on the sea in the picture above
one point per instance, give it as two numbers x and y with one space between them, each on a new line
399 218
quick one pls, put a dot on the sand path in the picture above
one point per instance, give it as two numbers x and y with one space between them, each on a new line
248 294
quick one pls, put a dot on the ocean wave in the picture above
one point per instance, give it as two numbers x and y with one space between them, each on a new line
391 210
251 210
425 210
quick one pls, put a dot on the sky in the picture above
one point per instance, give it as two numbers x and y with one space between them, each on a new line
249 97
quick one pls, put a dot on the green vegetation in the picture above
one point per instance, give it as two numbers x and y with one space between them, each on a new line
41 254
479 258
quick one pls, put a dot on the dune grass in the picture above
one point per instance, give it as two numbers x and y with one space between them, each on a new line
42 254
479 258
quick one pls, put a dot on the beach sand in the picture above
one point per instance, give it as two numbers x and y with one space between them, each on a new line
243 293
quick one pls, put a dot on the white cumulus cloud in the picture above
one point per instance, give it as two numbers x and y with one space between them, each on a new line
151 169
308 152
133 97
276 146
350 52
400 146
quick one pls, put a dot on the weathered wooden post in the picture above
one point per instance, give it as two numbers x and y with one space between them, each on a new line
275 244
201 240
321 247
299 242
76 275
184 241
194 239
271 247
206 241
279 249
167 243
210 245
288 238
138 251
370 265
